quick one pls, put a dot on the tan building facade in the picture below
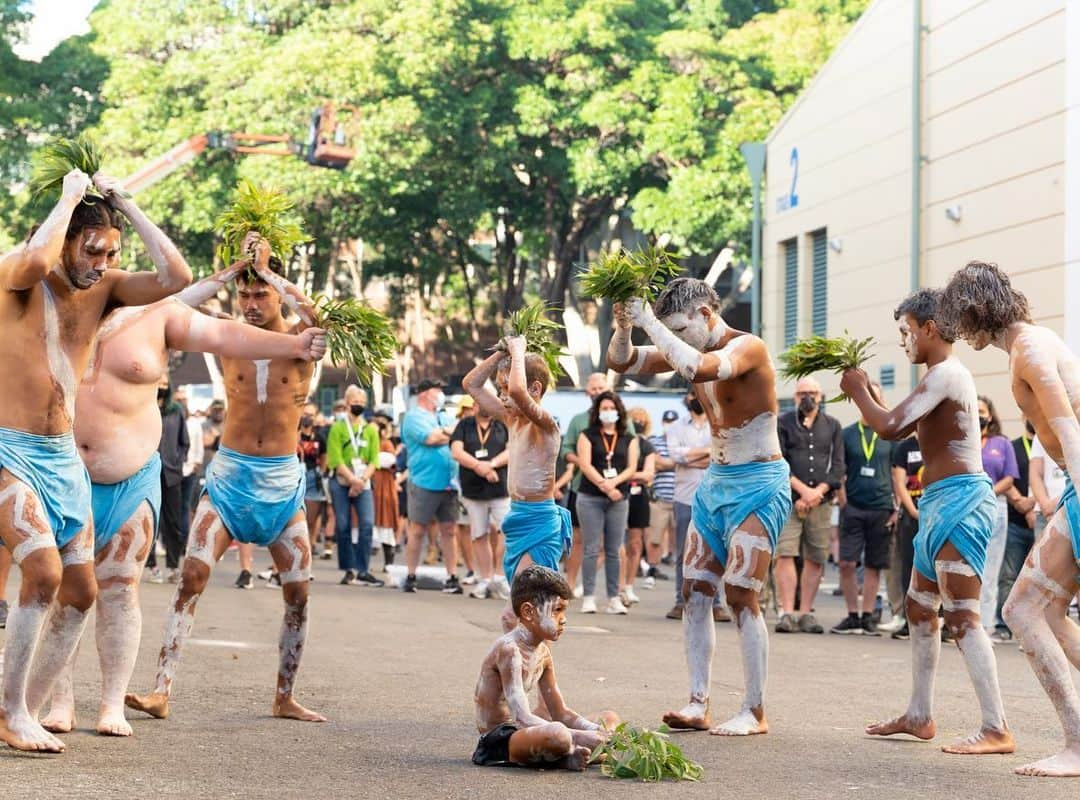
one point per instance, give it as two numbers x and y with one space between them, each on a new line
992 127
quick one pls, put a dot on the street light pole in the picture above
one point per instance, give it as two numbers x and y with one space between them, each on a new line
754 155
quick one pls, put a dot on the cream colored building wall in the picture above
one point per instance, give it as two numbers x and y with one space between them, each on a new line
993 127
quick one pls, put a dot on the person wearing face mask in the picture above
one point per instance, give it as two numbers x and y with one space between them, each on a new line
999 462
813 444
352 456
172 448
608 458
661 532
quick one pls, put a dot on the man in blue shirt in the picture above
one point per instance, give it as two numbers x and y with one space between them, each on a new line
432 486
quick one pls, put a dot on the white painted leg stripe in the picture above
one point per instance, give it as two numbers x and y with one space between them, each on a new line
955 567
28 546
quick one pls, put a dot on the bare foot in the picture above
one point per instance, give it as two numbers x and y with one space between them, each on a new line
985 741
25 733
288 708
742 724
694 717
1065 764
59 720
111 722
577 760
924 729
155 704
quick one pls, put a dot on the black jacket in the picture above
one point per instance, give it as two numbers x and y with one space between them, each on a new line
174 444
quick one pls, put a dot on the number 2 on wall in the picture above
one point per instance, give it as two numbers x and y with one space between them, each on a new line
793 196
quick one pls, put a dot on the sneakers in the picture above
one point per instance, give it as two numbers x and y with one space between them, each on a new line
243 581
720 614
174 576
273 581
903 634
348 579
1001 636
452 586
615 606
266 574
579 592
480 592
501 586
946 634
660 576
848 626
409 585
649 582
327 554
787 624
588 604
3 613
669 559
628 597
675 613
869 626
808 624
470 579
155 576
893 625
367 579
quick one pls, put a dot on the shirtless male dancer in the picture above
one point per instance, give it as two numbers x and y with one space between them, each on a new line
54 290
956 519
980 303
255 484
536 529
745 497
117 430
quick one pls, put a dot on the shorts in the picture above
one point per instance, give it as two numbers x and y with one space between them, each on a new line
661 520
865 537
493 749
638 516
571 505
255 496
426 506
807 537
313 486
484 515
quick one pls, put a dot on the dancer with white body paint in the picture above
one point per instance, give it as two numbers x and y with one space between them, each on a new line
117 431
983 307
255 484
956 521
551 735
56 287
745 497
537 530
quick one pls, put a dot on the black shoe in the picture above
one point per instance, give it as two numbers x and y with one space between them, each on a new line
3 614
348 579
869 627
245 580
668 559
848 626
946 634
410 584
452 586
903 634
273 580
658 575
367 579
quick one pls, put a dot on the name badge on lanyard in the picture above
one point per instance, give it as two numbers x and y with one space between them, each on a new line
868 472
868 451
610 473
482 435
481 453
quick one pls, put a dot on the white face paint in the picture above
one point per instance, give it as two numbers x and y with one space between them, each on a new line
694 329
547 619
262 375
907 339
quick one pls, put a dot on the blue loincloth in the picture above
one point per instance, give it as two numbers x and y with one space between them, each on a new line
958 510
255 496
729 493
542 529
1070 501
114 503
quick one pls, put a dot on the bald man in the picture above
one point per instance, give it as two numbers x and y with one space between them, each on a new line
813 445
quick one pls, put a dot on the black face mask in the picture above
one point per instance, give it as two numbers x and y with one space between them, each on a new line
984 422
1030 429
305 422
163 394
356 410
807 404
695 406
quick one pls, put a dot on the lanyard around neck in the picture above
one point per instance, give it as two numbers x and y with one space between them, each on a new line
868 449
1027 446
609 451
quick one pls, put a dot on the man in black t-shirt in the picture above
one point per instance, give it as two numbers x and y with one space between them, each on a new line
907 470
478 444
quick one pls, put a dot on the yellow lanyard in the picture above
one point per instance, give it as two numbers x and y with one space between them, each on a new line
1027 446
868 450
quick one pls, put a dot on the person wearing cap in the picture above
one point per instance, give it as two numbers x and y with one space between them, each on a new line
432 484
352 455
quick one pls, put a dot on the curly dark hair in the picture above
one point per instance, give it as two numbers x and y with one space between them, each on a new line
594 412
980 299
96 213
924 306
683 295
537 585
250 277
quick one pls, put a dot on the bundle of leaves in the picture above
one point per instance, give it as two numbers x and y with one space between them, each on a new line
51 163
265 211
532 322
624 275
643 754
358 338
823 354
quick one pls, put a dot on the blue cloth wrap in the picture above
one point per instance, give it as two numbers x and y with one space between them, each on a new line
51 467
114 503
1070 501
959 510
729 493
255 496
541 528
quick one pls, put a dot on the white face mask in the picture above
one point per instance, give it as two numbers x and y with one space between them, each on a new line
440 400
610 416
340 415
